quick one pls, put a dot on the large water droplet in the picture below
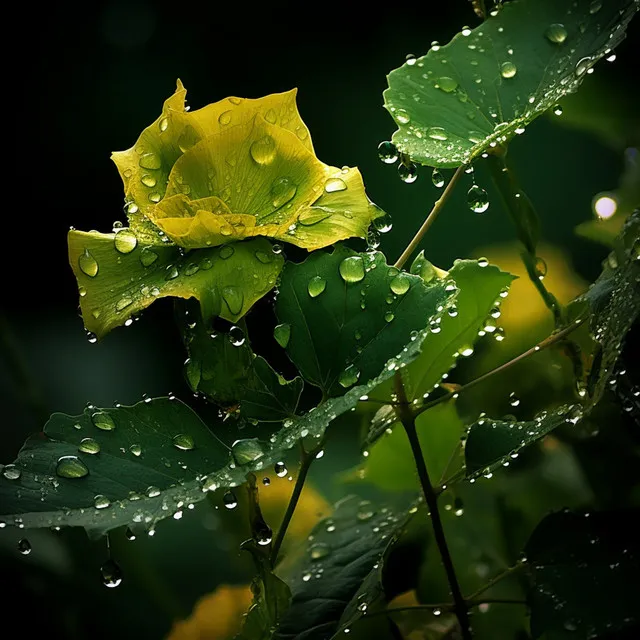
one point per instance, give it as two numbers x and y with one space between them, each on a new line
263 151
349 376
540 268
24 546
234 297
123 303
125 241
88 264
400 284
446 84
89 445
225 118
247 450
437 133
71 467
514 401
280 469
264 536
282 191
183 441
229 500
383 223
148 180
478 199
101 502
437 178
236 336
387 152
318 551
150 161
11 472
111 574
282 333
103 420
352 269
556 33
402 116
408 172
316 286
335 184
508 69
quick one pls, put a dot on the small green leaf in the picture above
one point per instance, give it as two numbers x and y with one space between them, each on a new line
144 459
365 314
114 286
582 568
479 290
230 373
490 443
488 83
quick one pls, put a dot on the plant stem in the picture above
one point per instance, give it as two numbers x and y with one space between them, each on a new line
477 603
408 422
306 458
548 341
411 247
501 576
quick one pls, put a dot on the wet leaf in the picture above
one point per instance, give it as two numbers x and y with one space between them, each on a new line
114 286
490 82
350 313
582 568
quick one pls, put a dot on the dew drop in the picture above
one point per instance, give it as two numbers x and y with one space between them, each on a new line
410 59
408 172
349 376
229 500
234 298
318 551
582 66
466 351
352 269
125 241
389 316
152 492
88 264
263 151
11 472
147 256
247 450
136 450
556 33
111 574
402 116
89 445
183 441
335 184
446 84
312 216
101 502
514 401
123 303
150 161
71 467
225 118
280 469
24 546
387 152
540 268
102 420
172 273
282 333
148 181
400 284
316 286
437 133
236 336
595 6
508 69
477 199
437 178
264 536
483 262
282 191
163 125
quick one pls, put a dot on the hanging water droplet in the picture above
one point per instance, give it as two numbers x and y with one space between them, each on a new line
102 420
408 172
335 184
89 445
400 284
437 178
349 376
556 33
183 441
280 469
11 472
111 574
229 500
71 467
247 450
316 286
282 333
514 401
437 133
557 110
318 551
88 264
263 151
236 336
150 161
234 298
402 116
508 69
383 223
264 536
266 481
478 199
101 502
24 546
282 191
387 152
352 269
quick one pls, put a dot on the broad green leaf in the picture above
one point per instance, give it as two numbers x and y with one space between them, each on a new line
490 443
349 313
342 553
111 467
488 83
224 368
118 276
389 464
479 290
582 568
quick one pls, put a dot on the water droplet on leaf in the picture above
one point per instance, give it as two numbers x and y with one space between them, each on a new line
89 445
556 33
335 184
71 467
280 469
316 286
282 333
349 376
183 441
229 500
352 269
102 420
88 264
263 151
101 502
247 450
508 70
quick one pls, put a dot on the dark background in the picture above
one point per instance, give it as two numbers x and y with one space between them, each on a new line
84 80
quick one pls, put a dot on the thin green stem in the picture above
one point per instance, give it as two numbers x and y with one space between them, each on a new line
501 576
477 603
306 459
433 214
408 422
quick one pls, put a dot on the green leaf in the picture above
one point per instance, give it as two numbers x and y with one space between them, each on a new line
118 276
344 551
144 460
582 569
490 82
229 373
479 290
349 313
490 443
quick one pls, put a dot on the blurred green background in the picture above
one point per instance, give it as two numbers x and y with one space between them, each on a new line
85 81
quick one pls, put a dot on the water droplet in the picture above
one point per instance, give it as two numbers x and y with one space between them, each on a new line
540 268
152 492
24 546
11 472
183 441
402 116
263 151
389 316
266 481
365 511
247 450
102 420
318 551
316 286
88 264
236 336
556 33
163 124
583 65
282 333
147 256
111 574
282 191
335 184
383 223
136 450
264 536
349 376
225 118
229 500
478 199
101 502
150 161
280 469
508 69
312 216
400 284
483 262
148 180
352 269
123 303
595 6
514 401
125 241
557 110
71 467
89 445
264 258
466 351
437 178
387 152
172 273
408 172
446 84
410 59
129 535
234 298
437 133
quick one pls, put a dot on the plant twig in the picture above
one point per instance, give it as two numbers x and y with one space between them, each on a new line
306 458
501 576
412 246
408 422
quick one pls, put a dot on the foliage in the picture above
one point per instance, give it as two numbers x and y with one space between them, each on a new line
363 346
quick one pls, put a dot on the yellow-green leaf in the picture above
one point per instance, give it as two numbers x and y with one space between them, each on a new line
119 276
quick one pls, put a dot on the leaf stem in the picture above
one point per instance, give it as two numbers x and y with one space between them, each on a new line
408 422
412 246
306 458
501 576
